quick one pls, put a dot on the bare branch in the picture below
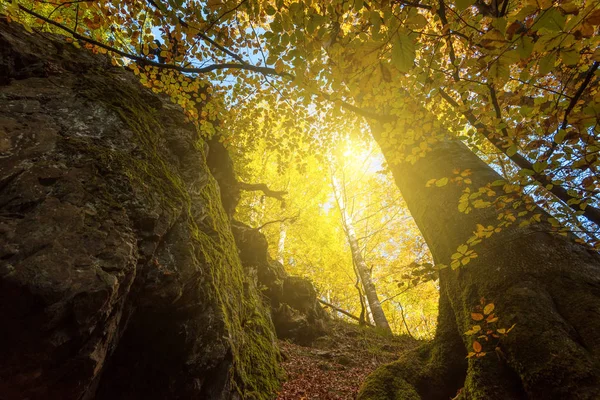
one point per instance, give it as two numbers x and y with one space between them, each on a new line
293 219
253 187
346 313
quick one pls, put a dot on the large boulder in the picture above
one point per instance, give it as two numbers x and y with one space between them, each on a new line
119 274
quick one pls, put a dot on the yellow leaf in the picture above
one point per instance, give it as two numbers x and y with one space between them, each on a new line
477 346
488 309
279 66
475 329
441 182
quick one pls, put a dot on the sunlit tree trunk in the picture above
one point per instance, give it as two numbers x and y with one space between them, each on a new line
359 262
545 283
281 242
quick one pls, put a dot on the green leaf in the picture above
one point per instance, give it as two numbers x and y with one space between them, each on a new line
560 136
526 172
417 21
463 4
403 52
511 151
547 63
524 47
499 70
540 166
270 10
570 57
551 19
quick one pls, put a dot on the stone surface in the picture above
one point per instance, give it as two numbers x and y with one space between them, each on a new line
119 275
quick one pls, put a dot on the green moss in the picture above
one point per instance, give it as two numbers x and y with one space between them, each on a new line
386 383
252 339
249 329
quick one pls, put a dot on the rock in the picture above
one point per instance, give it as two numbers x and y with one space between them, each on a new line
119 274
295 311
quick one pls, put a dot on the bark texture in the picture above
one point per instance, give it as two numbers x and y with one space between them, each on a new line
119 273
543 282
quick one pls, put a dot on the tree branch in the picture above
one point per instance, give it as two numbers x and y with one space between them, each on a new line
242 66
253 187
293 219
575 99
346 313
590 212
145 61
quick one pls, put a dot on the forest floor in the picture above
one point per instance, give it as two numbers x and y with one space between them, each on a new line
334 366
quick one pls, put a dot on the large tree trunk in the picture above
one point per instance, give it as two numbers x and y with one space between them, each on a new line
543 282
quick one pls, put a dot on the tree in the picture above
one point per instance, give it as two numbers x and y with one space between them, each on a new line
362 270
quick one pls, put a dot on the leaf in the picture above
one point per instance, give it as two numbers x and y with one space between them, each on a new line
270 10
475 329
441 182
546 63
463 4
560 136
524 47
488 308
570 57
511 151
593 18
551 19
403 52
539 166
477 316
417 21
477 346
501 330
279 66
499 70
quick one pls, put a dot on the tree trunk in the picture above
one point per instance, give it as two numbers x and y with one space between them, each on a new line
281 242
365 276
543 282
359 262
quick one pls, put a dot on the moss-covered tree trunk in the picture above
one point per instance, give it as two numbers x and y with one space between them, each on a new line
543 282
